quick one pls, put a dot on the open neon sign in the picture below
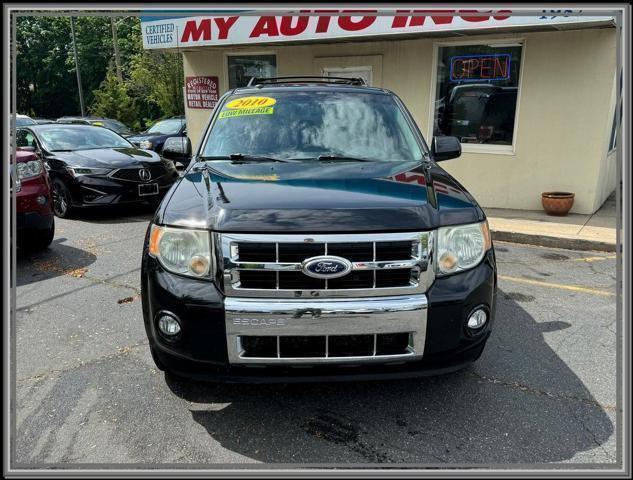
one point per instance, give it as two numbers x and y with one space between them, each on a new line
471 68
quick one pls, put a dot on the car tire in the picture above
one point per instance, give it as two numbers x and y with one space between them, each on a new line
43 239
62 203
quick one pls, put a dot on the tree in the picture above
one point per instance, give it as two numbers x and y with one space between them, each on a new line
152 82
112 100
44 60
158 77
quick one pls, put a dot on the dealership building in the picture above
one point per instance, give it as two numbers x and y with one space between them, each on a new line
532 98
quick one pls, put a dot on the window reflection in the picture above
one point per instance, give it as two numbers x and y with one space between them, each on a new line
476 94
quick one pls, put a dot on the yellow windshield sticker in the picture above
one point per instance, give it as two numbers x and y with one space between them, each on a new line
251 102
246 111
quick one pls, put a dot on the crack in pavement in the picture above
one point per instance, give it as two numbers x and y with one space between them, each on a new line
542 393
119 353
592 435
93 281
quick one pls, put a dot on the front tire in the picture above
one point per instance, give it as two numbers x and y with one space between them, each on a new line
62 203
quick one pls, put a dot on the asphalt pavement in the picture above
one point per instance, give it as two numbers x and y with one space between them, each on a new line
87 392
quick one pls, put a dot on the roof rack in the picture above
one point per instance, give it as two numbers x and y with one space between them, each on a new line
305 79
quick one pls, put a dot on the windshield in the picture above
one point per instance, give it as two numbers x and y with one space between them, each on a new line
115 125
167 127
306 125
81 138
21 121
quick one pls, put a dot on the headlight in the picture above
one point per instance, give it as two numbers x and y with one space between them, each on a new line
29 169
146 144
181 250
78 171
461 247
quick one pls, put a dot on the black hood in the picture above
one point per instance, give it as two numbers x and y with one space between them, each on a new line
107 157
317 197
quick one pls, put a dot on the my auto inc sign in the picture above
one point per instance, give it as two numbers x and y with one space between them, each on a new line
330 24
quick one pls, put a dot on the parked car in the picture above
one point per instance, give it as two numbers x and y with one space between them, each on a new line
154 138
314 231
40 121
112 124
35 222
94 167
21 120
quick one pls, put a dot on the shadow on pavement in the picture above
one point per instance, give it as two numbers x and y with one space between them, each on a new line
116 214
465 417
57 259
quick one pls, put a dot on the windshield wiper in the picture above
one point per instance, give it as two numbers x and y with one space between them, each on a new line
341 158
245 157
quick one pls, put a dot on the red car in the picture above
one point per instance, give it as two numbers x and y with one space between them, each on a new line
34 210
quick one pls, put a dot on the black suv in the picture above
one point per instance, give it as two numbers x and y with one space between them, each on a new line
154 138
312 232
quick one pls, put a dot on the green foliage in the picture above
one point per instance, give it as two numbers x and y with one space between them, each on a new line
112 100
152 82
44 60
158 78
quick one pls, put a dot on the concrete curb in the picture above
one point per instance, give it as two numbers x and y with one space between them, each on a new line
554 242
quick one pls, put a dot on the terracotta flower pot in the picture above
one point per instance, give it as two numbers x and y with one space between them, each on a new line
557 203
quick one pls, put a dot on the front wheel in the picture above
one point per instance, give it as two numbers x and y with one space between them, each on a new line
62 205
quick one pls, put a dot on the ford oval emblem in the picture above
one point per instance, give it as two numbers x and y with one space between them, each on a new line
326 267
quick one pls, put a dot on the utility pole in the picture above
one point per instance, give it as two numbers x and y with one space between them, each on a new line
115 42
81 93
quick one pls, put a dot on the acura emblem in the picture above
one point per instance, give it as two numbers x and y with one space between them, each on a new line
144 174
326 267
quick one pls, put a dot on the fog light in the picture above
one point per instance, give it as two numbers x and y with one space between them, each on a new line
41 200
477 319
168 325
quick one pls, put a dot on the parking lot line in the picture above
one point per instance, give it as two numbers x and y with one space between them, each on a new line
573 288
593 259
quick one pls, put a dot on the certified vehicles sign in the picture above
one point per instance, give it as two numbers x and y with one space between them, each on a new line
245 27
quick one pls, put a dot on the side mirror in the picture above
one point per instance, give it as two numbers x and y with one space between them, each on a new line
445 148
177 148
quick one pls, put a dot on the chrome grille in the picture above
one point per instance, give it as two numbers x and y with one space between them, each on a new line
132 174
271 265
332 347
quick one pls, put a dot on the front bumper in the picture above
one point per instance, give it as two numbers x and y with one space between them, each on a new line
33 215
33 222
202 352
94 191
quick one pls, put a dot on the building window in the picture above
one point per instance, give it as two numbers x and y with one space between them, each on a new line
243 67
476 92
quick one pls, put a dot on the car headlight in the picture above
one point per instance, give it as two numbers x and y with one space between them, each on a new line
182 250
461 247
146 144
29 169
78 171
